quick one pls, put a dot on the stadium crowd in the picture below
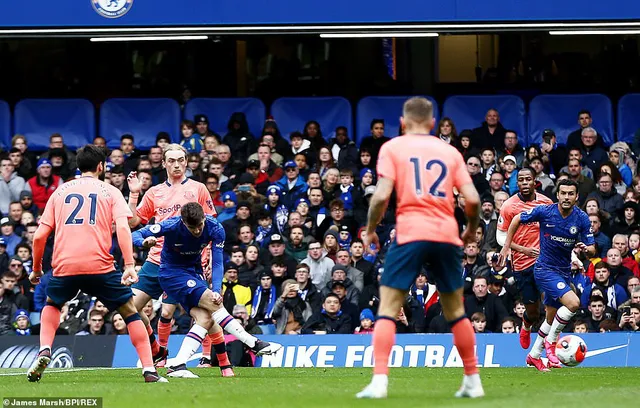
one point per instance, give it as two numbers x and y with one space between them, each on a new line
293 209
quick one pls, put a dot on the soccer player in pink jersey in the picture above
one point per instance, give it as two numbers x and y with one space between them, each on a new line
82 212
526 247
162 202
424 171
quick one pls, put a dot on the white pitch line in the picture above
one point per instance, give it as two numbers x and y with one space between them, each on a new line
64 370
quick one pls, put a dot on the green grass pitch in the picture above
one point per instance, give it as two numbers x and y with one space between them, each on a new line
336 387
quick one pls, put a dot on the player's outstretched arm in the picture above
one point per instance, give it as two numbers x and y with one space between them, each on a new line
146 237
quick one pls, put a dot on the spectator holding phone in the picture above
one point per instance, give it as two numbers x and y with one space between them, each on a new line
291 311
630 320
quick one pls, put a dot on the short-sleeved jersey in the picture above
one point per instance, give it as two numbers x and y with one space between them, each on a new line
82 212
183 250
424 170
165 201
558 236
527 235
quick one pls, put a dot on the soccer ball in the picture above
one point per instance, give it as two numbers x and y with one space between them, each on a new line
571 350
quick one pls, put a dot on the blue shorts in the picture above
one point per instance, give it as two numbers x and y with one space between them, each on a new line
404 262
184 285
526 284
554 286
148 283
106 287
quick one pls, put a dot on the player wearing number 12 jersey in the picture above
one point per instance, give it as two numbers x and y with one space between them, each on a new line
424 171
82 212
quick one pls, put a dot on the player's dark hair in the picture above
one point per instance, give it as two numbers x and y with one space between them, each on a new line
32 224
192 214
568 183
126 136
584 112
89 156
528 168
597 298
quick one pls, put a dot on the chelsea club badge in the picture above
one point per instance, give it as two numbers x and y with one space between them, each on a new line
112 8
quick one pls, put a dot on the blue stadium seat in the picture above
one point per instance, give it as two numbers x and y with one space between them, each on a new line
142 118
218 110
388 108
291 114
5 125
560 113
37 119
628 117
468 112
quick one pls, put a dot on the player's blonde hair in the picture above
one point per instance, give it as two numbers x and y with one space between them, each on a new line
171 147
418 110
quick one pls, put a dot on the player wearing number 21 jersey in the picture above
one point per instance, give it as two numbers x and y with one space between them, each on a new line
81 214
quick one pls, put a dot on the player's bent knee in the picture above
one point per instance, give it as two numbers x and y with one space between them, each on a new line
128 309
167 313
202 317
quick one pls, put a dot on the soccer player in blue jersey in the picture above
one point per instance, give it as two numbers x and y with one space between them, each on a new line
180 276
561 227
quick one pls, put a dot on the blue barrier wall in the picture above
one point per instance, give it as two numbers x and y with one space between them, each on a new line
96 13
411 350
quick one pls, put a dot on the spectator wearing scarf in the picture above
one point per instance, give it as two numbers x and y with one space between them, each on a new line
264 299
290 311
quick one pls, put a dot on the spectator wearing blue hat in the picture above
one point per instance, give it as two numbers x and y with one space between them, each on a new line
11 185
44 184
344 150
230 202
367 320
292 185
21 323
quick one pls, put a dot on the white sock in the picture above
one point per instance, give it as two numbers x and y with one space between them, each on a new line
538 345
563 317
380 380
45 346
231 325
148 370
192 341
